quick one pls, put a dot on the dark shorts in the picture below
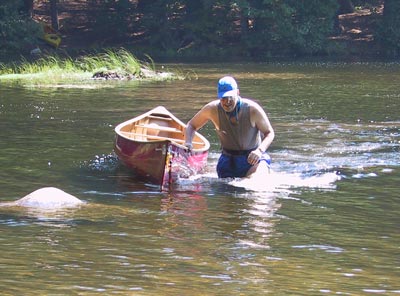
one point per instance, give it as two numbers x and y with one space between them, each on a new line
236 166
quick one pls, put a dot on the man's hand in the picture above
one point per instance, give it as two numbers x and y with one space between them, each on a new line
189 147
254 157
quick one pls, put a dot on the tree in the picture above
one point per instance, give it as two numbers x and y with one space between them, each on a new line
54 14
28 7
208 24
287 26
18 32
161 23
313 23
271 26
389 36
345 6
113 20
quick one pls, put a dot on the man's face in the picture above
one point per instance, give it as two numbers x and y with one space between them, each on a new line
228 103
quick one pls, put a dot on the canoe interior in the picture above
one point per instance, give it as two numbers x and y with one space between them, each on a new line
152 144
158 127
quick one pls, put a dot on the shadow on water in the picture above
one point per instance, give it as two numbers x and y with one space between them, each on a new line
107 176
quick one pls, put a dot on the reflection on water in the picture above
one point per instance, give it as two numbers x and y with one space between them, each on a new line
325 221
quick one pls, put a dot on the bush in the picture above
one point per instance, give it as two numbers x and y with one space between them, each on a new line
389 29
18 33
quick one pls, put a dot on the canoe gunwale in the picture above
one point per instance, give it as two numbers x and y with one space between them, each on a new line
165 115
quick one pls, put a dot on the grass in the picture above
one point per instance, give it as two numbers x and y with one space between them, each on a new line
56 69
120 61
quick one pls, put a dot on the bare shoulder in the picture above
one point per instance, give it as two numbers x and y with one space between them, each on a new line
208 112
255 108
211 108
213 104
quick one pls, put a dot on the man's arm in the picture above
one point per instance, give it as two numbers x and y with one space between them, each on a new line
197 122
260 119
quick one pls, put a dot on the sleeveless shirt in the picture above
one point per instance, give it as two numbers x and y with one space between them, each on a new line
240 135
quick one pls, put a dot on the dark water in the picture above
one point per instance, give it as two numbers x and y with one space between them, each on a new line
326 222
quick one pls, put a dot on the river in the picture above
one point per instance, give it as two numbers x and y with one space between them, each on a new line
326 222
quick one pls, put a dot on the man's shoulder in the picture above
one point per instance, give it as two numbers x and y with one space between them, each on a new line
215 102
249 101
254 107
212 105
210 109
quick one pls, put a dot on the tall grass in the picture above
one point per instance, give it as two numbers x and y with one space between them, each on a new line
119 61
56 67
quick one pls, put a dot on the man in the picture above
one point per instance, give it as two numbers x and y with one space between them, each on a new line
243 129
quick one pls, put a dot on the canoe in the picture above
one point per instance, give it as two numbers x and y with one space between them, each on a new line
52 39
51 36
152 145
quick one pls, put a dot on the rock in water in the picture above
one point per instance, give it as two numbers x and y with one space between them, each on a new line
48 198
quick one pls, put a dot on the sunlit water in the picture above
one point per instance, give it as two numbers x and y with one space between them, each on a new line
323 222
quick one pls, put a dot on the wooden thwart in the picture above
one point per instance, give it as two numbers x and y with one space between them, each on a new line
159 138
160 117
159 128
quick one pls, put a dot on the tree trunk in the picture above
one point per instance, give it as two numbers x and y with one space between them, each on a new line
54 14
28 7
345 6
391 27
390 9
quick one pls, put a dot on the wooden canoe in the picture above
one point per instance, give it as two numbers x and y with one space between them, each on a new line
152 145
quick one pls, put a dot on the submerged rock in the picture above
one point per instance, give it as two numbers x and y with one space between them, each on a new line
46 198
111 75
144 73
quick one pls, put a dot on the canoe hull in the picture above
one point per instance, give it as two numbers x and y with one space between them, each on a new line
159 158
147 160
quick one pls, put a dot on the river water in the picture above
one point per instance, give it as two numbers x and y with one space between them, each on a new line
325 222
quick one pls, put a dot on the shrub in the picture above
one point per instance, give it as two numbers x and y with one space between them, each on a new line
18 33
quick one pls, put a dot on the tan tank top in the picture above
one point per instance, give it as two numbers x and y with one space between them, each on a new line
240 135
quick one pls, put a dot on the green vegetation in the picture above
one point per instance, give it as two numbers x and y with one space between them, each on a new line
247 29
204 30
390 28
17 30
119 64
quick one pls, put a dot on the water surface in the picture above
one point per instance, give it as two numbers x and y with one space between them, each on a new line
325 223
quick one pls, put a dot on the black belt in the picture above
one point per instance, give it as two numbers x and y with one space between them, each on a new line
236 152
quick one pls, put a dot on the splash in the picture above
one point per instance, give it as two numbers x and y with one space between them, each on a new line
279 181
101 163
267 180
